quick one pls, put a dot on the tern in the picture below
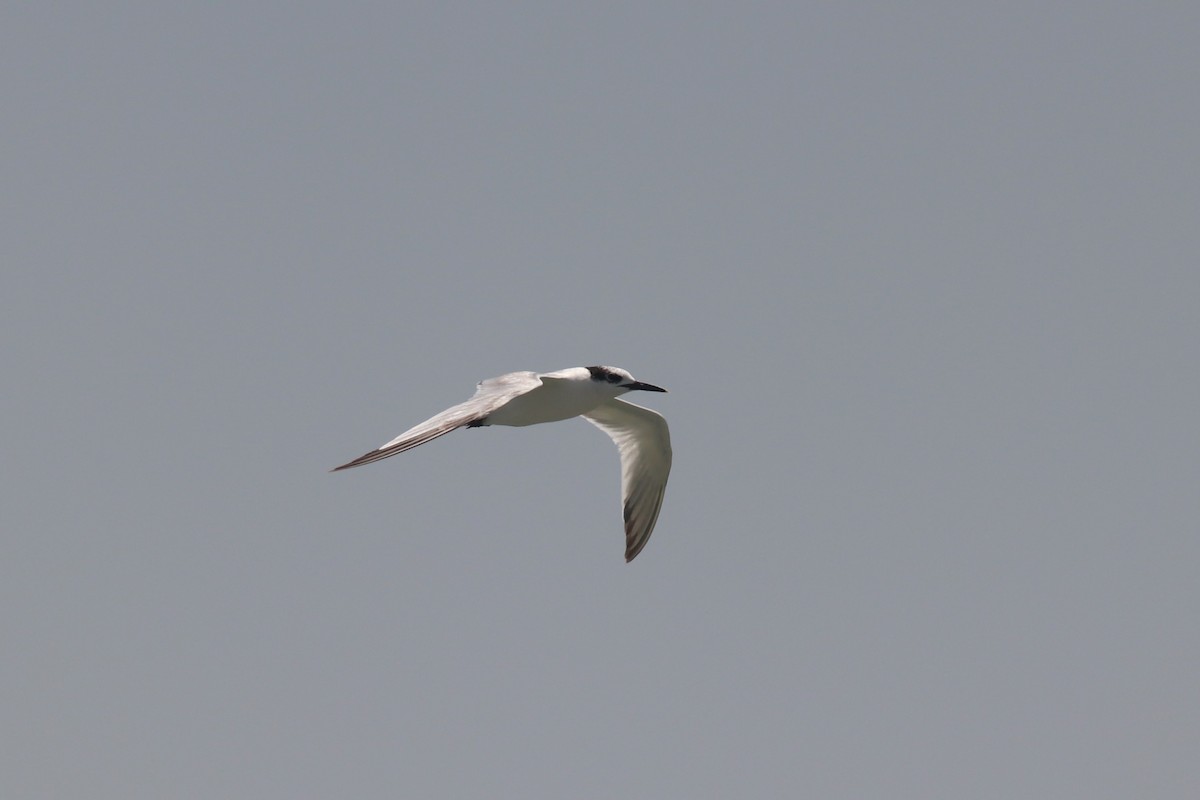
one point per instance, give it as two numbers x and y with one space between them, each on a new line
529 398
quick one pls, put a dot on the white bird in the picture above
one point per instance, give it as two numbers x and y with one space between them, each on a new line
529 398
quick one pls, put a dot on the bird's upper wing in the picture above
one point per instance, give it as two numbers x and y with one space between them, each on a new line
644 442
490 394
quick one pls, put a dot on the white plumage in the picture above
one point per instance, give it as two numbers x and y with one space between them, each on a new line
529 398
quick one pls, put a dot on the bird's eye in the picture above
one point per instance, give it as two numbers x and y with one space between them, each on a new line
613 378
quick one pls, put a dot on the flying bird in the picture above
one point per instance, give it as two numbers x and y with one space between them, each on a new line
529 398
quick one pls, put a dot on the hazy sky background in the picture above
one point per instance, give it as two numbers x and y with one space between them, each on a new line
923 282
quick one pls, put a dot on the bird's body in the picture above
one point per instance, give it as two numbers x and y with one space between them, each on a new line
551 397
529 398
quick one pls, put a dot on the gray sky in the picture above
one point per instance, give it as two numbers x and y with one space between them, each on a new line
921 278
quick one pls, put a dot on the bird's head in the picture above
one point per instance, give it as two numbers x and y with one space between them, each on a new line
620 380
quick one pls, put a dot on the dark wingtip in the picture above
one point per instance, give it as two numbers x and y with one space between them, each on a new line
632 548
365 458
